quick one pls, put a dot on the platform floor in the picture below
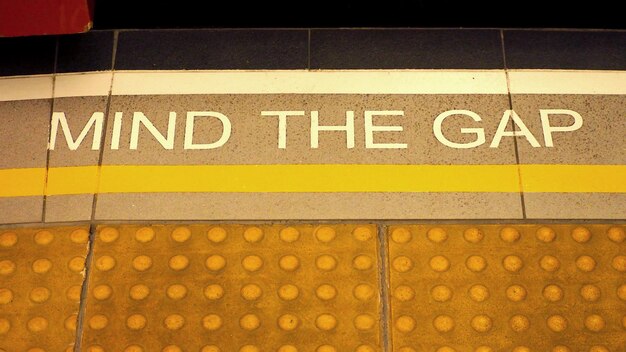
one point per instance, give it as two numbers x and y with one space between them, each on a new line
364 223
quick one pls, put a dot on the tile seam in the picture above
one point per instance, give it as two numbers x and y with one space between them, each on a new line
382 222
515 145
384 284
84 289
94 202
53 99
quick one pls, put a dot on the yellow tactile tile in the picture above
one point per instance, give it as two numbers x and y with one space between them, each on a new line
234 288
41 277
517 288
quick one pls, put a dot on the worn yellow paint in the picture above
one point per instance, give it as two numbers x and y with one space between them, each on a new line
313 178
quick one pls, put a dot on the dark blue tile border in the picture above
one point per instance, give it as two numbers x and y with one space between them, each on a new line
212 49
91 51
583 50
406 49
27 55
269 49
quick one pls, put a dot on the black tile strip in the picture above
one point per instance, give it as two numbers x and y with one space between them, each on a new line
27 55
212 49
84 52
406 49
325 49
588 50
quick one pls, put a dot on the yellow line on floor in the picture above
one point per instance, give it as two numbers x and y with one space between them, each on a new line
22 182
573 178
313 178
72 180
310 178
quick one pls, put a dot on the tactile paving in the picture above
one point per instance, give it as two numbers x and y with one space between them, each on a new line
41 277
234 288
518 288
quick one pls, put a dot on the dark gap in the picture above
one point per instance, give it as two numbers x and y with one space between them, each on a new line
118 14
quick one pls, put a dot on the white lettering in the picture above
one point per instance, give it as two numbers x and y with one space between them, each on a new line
96 120
117 130
282 124
166 142
479 132
548 129
524 131
316 128
191 117
370 128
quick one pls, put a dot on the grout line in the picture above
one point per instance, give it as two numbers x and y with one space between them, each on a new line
116 35
382 222
384 287
54 79
94 202
515 146
84 290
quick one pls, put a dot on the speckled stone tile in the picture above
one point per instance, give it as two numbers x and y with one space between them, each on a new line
78 97
254 141
599 141
254 137
23 142
307 206
575 205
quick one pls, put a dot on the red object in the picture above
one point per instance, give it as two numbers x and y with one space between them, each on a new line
39 17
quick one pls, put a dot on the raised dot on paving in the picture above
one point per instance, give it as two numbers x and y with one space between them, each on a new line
516 293
234 288
41 278
545 234
473 235
326 292
251 292
288 292
509 287
512 263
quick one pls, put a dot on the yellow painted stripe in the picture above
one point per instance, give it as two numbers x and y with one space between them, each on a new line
310 178
22 182
72 180
314 178
574 178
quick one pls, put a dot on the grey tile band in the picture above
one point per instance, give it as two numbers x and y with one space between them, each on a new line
308 206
